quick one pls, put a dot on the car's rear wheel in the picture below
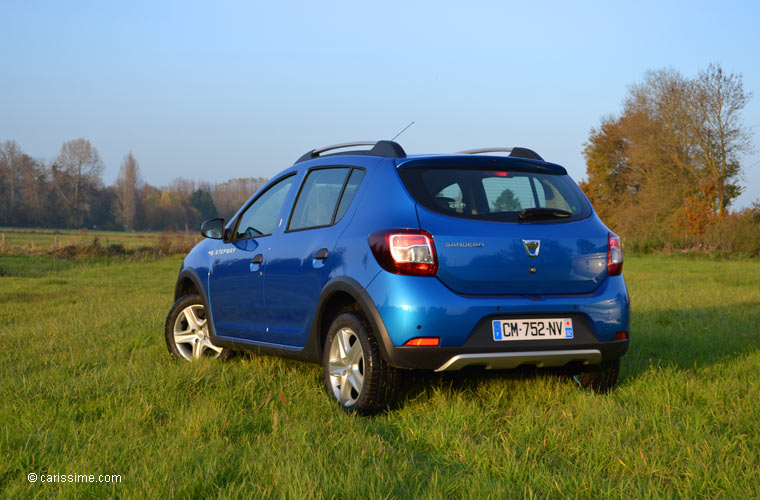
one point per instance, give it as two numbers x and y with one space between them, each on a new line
186 331
600 378
355 373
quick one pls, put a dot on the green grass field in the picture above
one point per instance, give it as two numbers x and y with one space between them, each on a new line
87 387
19 240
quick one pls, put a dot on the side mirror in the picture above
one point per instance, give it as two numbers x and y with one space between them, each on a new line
213 228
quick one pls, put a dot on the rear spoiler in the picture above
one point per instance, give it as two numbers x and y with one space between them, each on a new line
516 152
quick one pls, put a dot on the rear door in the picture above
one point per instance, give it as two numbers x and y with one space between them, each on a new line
301 258
501 230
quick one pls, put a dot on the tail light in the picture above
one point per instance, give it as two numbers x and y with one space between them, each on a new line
614 255
405 251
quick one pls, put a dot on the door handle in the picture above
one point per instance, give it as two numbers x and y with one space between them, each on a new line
257 259
321 254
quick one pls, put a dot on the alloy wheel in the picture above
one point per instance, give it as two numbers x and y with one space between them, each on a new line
346 366
191 334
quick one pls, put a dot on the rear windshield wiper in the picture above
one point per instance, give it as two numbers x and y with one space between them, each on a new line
544 213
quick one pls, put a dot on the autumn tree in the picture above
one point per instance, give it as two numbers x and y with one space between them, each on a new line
126 192
76 172
670 161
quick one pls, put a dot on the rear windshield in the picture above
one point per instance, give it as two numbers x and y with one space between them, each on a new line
495 195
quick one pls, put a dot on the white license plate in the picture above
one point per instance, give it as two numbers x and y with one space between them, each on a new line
532 329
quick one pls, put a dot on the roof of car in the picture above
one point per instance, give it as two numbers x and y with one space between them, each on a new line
519 158
481 161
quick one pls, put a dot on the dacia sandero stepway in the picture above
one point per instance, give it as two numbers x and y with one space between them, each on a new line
373 262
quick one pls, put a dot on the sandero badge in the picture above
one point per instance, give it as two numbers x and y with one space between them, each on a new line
374 263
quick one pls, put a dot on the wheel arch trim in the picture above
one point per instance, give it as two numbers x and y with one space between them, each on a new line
354 289
192 275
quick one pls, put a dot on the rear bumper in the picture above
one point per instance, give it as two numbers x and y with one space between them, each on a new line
456 358
506 360
409 307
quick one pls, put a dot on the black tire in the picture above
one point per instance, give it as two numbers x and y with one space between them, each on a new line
180 325
600 378
380 381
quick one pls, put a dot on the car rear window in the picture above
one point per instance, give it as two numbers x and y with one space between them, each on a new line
495 195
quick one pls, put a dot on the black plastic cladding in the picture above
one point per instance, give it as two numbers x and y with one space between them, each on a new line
525 153
388 149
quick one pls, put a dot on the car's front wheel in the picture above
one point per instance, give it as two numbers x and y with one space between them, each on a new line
355 373
186 331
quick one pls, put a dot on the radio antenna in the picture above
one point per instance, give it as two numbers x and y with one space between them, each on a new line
402 131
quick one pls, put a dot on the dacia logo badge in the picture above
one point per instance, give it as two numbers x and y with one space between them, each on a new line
532 247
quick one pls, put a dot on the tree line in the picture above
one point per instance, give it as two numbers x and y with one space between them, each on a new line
666 170
68 192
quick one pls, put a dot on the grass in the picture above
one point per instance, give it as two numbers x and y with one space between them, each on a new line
18 240
88 388
90 246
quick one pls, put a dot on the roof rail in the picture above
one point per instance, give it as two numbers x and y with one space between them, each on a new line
516 152
389 149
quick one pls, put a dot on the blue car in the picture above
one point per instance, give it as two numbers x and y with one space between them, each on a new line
373 262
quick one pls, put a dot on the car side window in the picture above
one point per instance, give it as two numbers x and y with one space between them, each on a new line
315 206
349 192
260 218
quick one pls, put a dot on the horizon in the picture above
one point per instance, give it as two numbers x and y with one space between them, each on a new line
211 93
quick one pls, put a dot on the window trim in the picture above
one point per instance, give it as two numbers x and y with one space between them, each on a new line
254 200
343 192
350 168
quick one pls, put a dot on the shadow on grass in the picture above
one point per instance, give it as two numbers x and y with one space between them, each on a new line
418 384
685 339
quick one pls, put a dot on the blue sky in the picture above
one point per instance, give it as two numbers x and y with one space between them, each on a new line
216 90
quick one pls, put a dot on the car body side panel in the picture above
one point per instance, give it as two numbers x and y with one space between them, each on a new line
293 280
236 289
387 205
196 263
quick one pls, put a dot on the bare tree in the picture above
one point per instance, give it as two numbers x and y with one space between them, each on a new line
717 100
77 170
181 186
10 169
126 191
229 195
